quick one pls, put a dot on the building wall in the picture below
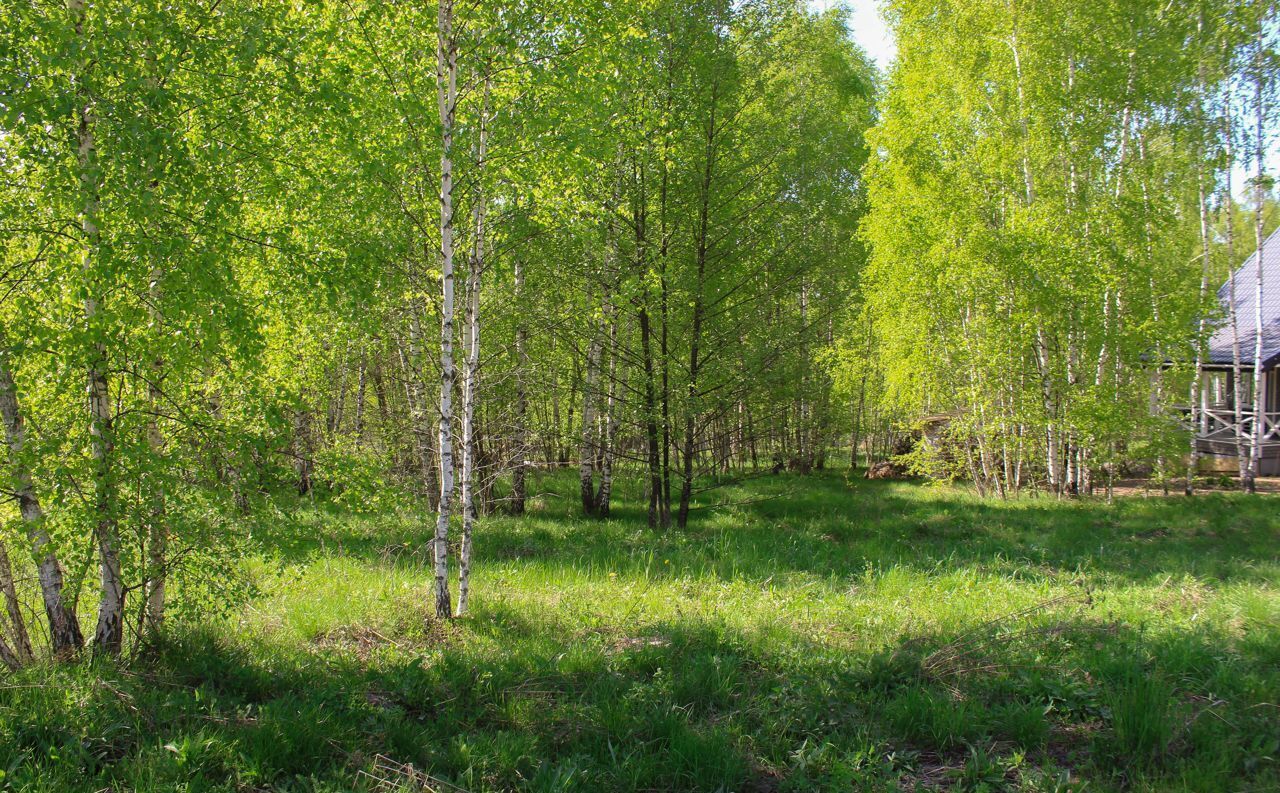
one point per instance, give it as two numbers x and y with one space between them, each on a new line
1224 461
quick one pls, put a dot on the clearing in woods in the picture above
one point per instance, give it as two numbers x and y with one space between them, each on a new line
826 633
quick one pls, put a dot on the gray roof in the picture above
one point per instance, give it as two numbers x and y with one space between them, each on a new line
1220 342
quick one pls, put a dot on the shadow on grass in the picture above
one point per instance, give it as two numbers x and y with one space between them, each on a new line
516 699
681 705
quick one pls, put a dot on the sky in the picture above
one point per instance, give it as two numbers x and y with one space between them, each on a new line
868 28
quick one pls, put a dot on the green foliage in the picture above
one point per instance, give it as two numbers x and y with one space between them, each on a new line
229 212
698 267
1035 225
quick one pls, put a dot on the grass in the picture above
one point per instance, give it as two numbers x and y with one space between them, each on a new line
824 634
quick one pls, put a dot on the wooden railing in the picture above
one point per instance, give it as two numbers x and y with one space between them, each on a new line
1218 424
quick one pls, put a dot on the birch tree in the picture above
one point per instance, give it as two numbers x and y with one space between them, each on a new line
471 378
64 625
447 91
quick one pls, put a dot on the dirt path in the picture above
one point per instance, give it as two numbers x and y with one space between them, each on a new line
1149 488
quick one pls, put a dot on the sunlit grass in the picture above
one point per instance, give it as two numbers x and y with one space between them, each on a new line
807 634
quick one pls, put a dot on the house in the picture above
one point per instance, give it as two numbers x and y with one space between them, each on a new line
1215 416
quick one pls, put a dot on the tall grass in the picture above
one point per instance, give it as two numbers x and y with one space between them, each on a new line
806 634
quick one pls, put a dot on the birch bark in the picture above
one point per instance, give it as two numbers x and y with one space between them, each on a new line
611 419
588 439
64 628
21 648
472 374
1233 317
1193 458
109 633
1259 198
447 95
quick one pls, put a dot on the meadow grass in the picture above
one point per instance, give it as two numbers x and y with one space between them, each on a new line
820 633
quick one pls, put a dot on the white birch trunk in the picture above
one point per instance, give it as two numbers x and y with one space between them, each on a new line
1259 197
1028 179
1237 353
1125 118
64 628
1046 387
447 95
590 395
472 373
611 419
1193 459
109 634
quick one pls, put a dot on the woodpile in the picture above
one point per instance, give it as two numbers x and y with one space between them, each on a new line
887 469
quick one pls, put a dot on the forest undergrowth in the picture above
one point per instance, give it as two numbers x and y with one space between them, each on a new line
820 633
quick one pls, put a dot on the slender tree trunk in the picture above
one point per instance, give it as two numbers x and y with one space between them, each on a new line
664 330
416 395
380 392
8 656
1237 352
158 523
664 363
554 445
651 431
519 487
447 92
1259 205
690 423
695 335
1125 117
611 419
1054 434
21 649
1157 390
587 445
651 424
362 384
302 449
1046 386
566 446
1100 373
109 634
1193 457
472 375
64 627
1028 180
338 397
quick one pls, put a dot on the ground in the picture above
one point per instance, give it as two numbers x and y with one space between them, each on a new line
823 633
1268 485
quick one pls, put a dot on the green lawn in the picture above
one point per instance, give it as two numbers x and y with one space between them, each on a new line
823 634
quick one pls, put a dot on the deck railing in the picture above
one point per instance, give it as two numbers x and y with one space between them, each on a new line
1218 424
